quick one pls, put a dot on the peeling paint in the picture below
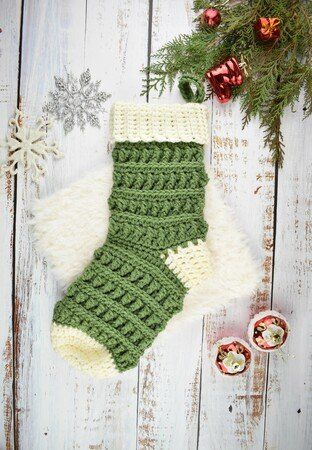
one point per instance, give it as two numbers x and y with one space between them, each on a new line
7 392
8 187
193 393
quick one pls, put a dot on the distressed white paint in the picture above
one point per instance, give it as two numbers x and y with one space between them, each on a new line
9 42
175 400
57 407
232 410
168 402
289 402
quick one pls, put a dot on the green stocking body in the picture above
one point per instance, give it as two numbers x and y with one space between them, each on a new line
113 312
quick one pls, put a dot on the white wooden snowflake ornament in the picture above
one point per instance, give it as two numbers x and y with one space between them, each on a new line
27 146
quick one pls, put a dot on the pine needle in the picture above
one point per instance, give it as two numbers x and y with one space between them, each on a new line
277 71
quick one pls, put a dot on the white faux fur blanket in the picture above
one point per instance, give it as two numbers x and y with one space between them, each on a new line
70 224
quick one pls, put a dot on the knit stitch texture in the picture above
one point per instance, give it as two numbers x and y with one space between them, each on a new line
128 293
160 123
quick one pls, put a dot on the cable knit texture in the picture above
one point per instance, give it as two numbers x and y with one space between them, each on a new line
128 293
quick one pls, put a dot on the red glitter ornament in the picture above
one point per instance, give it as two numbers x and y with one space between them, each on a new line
268 28
223 77
211 17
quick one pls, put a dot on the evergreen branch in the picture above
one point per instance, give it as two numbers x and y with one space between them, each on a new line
277 71
273 138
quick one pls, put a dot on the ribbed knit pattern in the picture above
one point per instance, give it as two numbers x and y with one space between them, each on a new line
126 296
159 123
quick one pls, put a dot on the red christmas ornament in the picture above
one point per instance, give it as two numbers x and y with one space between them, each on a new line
223 77
211 17
268 28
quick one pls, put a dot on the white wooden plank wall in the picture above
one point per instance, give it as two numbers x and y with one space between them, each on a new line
174 400
241 165
169 378
289 393
9 45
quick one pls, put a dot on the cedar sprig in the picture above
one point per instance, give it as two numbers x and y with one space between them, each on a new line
277 72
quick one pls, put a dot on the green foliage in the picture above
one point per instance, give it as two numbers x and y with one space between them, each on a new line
275 72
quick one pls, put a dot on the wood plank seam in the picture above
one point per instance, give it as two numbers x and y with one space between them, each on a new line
267 368
158 371
204 318
148 57
200 384
15 312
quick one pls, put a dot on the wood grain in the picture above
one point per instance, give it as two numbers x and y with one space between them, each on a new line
289 397
9 44
232 410
169 379
53 35
57 407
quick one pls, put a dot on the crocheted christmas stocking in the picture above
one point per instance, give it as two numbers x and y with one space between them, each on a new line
154 251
